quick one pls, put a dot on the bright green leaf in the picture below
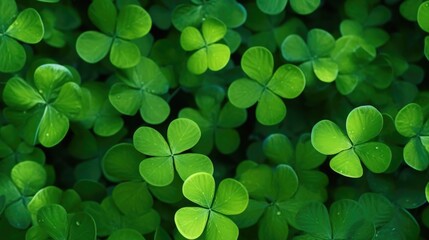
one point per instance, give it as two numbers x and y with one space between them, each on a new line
217 56
200 189
53 127
271 109
48 78
325 69
219 226
69 100
213 30
124 54
231 197
244 93
415 155
133 22
182 134
284 175
157 171
409 120
423 16
93 46
20 95
376 156
150 142
27 27
258 64
29 177
328 139
191 39
198 62
191 221
363 123
126 100
273 224
347 163
288 81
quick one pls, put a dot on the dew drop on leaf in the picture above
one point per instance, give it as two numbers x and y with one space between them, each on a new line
278 213
77 223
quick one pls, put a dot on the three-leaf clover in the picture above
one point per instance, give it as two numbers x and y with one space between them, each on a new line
27 27
363 124
117 32
158 170
43 110
208 219
209 54
265 88
139 89
316 52
410 123
343 221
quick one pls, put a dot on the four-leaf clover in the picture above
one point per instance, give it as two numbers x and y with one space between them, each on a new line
117 32
363 124
209 54
265 88
231 198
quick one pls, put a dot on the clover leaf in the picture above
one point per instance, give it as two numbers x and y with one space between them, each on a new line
344 221
303 7
363 124
422 16
126 233
230 12
139 90
43 110
209 54
158 170
55 222
121 163
317 51
271 191
27 27
208 219
265 88
410 123
117 32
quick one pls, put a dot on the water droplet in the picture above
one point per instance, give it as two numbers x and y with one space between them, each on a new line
376 148
278 213
47 134
77 223
393 229
41 221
